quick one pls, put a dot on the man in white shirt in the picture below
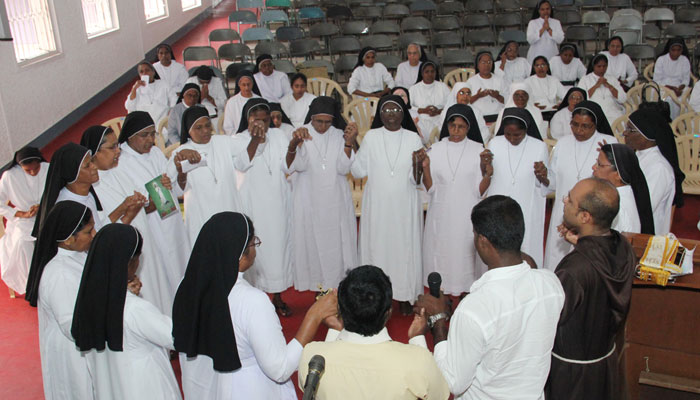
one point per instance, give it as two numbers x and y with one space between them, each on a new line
501 335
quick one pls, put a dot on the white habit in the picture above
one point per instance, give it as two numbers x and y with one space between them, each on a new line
627 219
570 72
487 105
274 87
560 125
210 189
266 199
370 80
63 368
174 75
324 228
448 245
621 67
216 91
613 107
101 217
571 161
233 111
143 369
546 45
296 110
662 186
452 100
267 360
424 95
154 98
515 70
406 75
672 73
17 244
514 176
547 91
392 213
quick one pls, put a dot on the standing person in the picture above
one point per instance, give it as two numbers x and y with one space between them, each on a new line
428 96
246 89
567 66
274 85
231 341
497 345
604 89
520 160
651 137
60 255
210 187
21 185
488 90
462 94
324 229
544 33
597 279
560 125
392 213
150 93
212 90
265 196
672 70
123 337
369 76
407 71
296 104
618 165
513 67
280 120
456 178
190 95
547 91
171 72
589 127
619 64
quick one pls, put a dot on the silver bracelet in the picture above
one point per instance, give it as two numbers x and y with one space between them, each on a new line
435 318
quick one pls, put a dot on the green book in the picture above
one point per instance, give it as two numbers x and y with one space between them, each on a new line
161 197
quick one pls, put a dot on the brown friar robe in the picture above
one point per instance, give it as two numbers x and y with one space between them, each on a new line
597 279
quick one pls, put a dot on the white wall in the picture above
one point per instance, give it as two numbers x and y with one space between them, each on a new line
34 97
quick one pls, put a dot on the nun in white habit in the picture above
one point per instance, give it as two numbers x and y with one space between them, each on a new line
209 178
619 64
170 71
488 89
369 76
567 66
513 67
519 96
57 266
428 96
547 92
544 33
124 338
324 229
296 104
266 198
560 124
21 185
274 85
456 179
150 93
604 89
246 89
672 70
462 94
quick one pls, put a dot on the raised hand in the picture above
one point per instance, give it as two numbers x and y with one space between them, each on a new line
486 162
350 133
298 137
192 156
419 325
568 234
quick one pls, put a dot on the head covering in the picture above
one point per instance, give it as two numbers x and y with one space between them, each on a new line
155 73
250 106
204 73
601 122
360 56
26 154
568 45
594 61
99 308
652 126
532 69
425 64
627 165
466 112
134 123
329 106
408 95
93 136
407 122
523 115
201 315
190 86
277 107
622 43
536 11
452 97
63 170
565 103
64 220
505 46
676 41
250 76
260 59
167 46
478 56
189 117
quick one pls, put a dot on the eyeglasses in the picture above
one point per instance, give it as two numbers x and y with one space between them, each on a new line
486 62
391 110
577 98
256 242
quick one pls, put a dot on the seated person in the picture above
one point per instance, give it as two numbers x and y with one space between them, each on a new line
296 104
620 65
513 68
398 370
567 66
672 70
171 72
560 125
189 96
428 96
407 71
462 94
547 91
274 85
519 96
149 93
369 77
488 89
212 90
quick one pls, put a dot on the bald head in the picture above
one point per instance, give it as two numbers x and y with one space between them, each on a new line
600 198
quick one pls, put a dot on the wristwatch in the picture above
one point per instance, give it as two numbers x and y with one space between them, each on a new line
435 318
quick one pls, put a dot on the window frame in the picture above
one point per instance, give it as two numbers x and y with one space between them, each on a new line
197 4
57 48
114 15
166 12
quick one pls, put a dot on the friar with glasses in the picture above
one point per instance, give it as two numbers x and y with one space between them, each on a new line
324 229
571 161
390 157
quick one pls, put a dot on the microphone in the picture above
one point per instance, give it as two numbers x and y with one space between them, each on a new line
317 365
434 282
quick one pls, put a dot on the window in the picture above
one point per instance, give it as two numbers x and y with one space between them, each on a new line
100 17
189 4
155 9
31 27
